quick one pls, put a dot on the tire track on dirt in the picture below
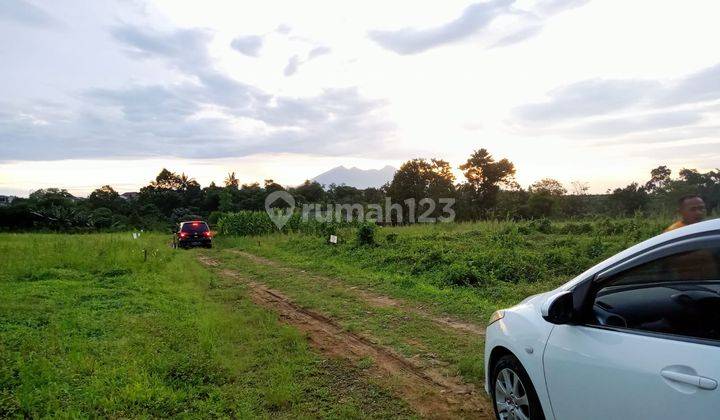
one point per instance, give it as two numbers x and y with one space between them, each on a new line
374 299
430 392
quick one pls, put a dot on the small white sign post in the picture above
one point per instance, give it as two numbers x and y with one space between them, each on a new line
333 239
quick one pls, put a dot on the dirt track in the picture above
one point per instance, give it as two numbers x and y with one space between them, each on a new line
377 300
430 392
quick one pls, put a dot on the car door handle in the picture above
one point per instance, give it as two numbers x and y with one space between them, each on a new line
695 380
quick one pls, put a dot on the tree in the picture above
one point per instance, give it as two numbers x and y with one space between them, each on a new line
629 200
49 197
577 203
545 196
226 200
251 197
579 188
484 177
373 195
272 186
106 197
231 180
309 192
344 194
418 179
548 186
101 218
166 191
659 179
166 180
707 185
211 197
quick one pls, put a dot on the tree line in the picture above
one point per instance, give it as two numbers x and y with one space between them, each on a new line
488 191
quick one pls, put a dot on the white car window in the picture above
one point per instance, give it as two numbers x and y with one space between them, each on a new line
678 294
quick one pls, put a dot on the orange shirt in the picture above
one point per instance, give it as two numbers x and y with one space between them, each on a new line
675 225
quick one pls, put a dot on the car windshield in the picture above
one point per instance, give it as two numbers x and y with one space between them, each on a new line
194 227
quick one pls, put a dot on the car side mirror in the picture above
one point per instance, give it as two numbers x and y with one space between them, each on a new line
558 308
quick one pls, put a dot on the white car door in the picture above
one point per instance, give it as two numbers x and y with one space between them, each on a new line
651 348
592 373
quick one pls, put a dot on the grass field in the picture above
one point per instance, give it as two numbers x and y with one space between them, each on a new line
465 269
88 328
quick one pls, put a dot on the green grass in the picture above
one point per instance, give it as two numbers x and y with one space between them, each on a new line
467 269
88 329
410 334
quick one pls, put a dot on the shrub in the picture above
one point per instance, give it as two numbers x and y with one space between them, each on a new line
463 274
366 234
572 228
541 225
215 217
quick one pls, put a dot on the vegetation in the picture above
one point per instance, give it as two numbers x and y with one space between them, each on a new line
488 192
467 269
89 328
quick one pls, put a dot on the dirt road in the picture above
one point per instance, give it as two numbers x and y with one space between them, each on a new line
377 300
431 392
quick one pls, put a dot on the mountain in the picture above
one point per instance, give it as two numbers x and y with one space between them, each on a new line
356 177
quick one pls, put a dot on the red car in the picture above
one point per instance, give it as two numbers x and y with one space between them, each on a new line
193 233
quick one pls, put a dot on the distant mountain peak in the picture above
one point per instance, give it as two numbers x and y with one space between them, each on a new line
356 177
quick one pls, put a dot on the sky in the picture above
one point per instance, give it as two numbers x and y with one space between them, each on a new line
112 91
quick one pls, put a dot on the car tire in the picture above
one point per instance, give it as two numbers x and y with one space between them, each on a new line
518 397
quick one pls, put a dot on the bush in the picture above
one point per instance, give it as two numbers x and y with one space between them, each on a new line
462 274
215 217
541 225
572 228
250 223
366 234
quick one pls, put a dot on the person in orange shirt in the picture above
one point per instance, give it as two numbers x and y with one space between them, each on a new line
691 209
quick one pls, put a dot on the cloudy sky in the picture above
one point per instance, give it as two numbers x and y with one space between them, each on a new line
111 91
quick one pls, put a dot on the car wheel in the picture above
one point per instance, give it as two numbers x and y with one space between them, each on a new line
514 397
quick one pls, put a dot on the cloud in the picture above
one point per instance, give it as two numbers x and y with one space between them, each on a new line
642 123
26 13
475 19
634 109
587 98
697 87
146 103
318 51
703 155
248 45
412 41
183 48
600 97
552 7
292 65
295 61
209 115
283 29
186 50
519 35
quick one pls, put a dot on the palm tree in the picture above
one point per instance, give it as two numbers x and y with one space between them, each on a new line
231 180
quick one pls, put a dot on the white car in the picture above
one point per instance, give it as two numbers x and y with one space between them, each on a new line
634 337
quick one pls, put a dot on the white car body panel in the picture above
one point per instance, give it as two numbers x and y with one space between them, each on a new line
527 345
593 373
523 327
